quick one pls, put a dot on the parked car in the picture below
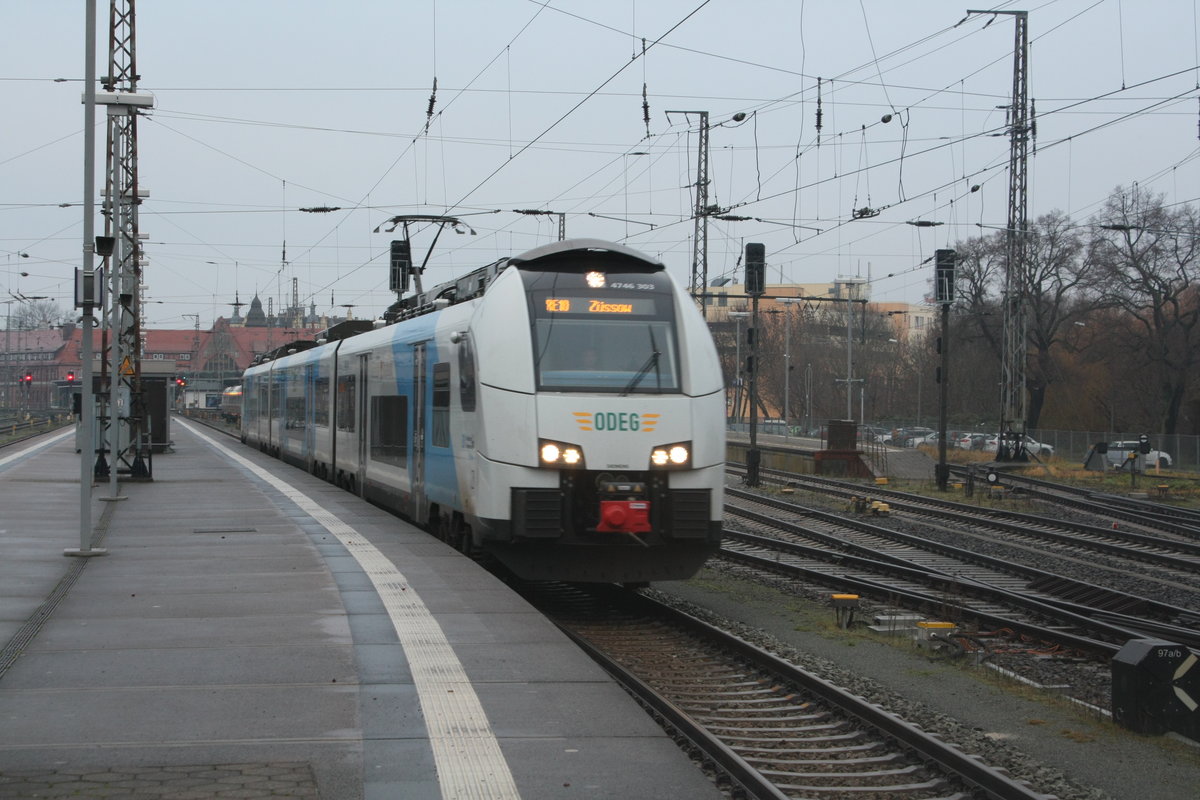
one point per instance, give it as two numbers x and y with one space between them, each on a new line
1032 446
1119 451
901 436
965 441
954 440
979 441
929 440
872 433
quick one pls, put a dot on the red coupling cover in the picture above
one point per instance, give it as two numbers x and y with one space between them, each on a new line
624 516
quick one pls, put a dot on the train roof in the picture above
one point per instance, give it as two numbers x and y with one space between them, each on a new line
467 287
549 251
284 350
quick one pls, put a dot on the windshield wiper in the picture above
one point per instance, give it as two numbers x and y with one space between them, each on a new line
651 362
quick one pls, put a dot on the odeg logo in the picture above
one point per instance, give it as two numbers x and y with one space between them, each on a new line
616 421
612 421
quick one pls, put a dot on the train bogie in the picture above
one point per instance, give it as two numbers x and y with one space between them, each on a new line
567 419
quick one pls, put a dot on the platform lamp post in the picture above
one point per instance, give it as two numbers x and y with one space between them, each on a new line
88 294
755 280
945 262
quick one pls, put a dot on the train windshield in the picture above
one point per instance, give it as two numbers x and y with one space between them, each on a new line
596 332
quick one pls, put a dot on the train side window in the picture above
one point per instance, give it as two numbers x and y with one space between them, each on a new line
294 419
441 405
466 374
389 429
277 395
346 406
321 402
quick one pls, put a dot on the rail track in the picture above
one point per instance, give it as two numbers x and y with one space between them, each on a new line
771 729
1173 557
14 431
956 584
1143 513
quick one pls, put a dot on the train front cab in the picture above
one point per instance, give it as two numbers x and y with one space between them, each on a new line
615 470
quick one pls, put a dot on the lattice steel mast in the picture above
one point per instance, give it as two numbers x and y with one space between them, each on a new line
1013 398
698 284
126 426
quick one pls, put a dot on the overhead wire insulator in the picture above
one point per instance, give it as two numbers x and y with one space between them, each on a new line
1033 122
646 110
819 112
645 97
432 101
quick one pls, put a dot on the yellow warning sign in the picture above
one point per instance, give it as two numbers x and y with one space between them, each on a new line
127 366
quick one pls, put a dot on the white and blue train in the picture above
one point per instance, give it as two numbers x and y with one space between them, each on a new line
562 410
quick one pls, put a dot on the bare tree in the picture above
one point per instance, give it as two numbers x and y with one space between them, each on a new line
1054 272
1055 269
1148 266
36 314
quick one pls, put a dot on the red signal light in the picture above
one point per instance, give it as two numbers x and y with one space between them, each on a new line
70 376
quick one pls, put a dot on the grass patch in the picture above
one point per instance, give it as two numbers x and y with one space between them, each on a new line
1078 736
1182 487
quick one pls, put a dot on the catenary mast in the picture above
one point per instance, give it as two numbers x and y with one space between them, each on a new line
1010 445
126 426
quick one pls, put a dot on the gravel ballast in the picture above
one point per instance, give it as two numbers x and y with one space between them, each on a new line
1062 749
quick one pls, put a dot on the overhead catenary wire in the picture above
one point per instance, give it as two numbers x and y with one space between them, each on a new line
572 110
764 187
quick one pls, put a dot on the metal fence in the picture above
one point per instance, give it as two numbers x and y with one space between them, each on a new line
1184 450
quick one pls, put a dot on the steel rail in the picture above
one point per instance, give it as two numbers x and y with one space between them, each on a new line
993 783
1099 539
1070 590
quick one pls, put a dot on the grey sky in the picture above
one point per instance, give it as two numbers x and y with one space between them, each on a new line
264 107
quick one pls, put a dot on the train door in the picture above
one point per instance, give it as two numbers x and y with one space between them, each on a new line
363 424
310 416
417 465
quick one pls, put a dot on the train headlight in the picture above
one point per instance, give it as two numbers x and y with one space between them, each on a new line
672 456
559 454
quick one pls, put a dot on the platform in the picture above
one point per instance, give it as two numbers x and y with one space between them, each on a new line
254 631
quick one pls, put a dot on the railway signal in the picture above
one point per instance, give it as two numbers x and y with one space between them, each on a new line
756 269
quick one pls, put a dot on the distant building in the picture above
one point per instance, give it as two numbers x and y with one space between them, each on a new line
909 320
209 360
256 317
